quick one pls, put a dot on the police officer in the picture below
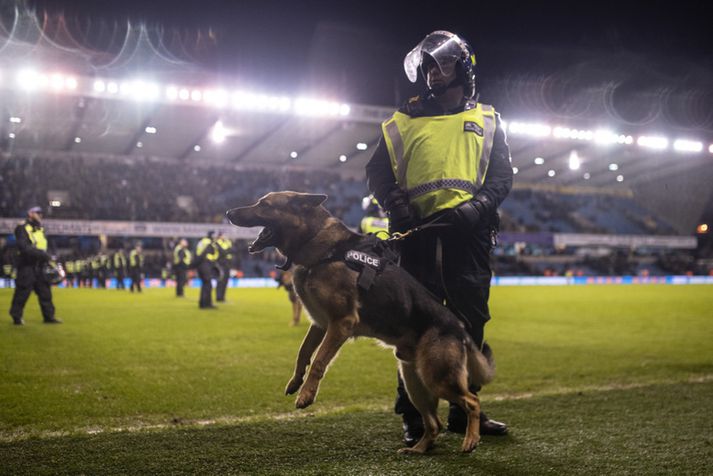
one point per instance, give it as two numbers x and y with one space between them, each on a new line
207 253
375 220
181 262
32 257
119 266
136 267
69 268
225 246
444 158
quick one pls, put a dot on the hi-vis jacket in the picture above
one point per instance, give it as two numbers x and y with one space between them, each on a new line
206 249
441 161
31 244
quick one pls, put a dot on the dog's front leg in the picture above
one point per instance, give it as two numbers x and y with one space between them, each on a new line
337 334
311 341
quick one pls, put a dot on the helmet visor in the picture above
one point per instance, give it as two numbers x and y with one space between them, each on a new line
443 48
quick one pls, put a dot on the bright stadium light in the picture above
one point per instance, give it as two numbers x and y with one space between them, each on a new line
184 94
99 86
197 148
11 135
71 83
150 130
27 79
605 137
574 162
551 173
619 178
587 176
112 87
515 170
55 203
539 161
139 144
652 142
172 93
15 120
710 148
534 130
613 167
361 146
342 158
196 95
684 145
294 154
218 133
77 140
56 81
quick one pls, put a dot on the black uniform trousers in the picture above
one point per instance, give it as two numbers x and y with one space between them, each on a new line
465 269
205 272
120 275
135 275
222 282
29 278
181 278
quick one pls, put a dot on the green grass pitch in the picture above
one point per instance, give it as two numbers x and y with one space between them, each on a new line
591 379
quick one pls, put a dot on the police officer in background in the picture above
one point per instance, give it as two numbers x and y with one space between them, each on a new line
444 158
136 267
32 258
181 262
118 263
375 220
207 253
225 261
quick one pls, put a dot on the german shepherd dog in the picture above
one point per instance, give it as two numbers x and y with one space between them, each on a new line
437 357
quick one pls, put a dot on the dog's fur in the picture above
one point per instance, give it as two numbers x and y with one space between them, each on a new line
285 280
436 355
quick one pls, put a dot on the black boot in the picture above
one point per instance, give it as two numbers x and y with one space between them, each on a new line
413 428
458 422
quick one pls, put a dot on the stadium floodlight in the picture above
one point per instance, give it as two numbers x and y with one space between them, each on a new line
586 176
112 87
528 129
551 173
362 146
652 142
710 148
172 93
184 94
139 144
15 120
55 203
150 130
605 137
619 178
344 109
319 107
77 140
515 170
613 167
342 158
685 145
196 95
56 81
216 97
574 162
71 83
99 86
218 132
702 228
197 148
294 154
539 161
11 135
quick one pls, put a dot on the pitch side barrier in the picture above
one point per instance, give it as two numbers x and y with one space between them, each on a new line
496 281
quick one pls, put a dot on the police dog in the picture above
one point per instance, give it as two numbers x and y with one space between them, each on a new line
437 357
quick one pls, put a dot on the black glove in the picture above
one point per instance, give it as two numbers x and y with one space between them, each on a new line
468 215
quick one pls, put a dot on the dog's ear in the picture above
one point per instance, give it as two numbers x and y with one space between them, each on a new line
310 199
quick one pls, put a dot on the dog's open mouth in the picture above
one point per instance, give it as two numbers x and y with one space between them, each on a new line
267 237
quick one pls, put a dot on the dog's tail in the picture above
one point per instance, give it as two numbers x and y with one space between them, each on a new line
481 365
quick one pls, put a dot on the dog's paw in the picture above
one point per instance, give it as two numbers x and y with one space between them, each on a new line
293 386
469 444
410 451
304 399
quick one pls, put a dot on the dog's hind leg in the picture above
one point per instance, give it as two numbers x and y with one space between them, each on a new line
427 405
310 343
338 331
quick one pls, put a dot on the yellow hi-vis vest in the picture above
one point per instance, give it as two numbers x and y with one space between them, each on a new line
136 259
186 256
119 260
201 246
440 161
226 245
37 237
376 225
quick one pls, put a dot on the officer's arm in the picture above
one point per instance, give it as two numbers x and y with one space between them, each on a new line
382 184
497 184
24 244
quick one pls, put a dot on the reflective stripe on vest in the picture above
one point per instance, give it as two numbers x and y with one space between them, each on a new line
201 246
440 161
37 237
376 225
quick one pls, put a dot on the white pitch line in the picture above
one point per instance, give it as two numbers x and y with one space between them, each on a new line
10 437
